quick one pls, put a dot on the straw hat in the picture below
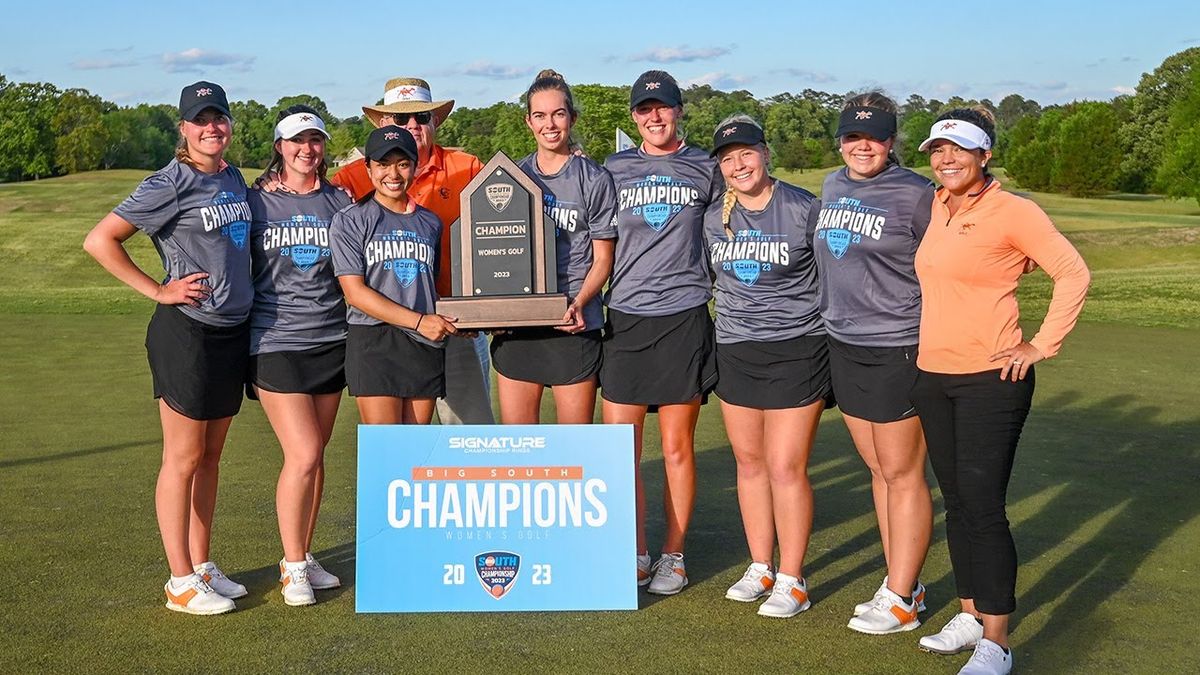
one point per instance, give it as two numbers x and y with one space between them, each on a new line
408 95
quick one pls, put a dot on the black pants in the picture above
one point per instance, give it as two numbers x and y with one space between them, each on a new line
972 424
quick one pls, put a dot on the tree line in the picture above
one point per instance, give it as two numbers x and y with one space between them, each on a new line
1146 142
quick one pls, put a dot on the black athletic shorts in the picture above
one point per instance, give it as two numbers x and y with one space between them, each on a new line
658 360
872 383
385 361
317 370
775 375
197 368
546 355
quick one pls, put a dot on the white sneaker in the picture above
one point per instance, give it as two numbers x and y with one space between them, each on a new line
788 598
989 659
669 575
194 596
220 583
320 578
297 590
959 634
889 614
755 583
643 569
862 607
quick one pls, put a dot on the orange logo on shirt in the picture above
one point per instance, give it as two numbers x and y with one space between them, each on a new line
965 228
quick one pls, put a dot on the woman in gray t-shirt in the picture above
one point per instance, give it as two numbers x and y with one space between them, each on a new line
384 255
874 213
578 194
298 334
194 211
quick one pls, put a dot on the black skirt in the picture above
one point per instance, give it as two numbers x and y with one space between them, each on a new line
385 361
547 356
658 360
775 375
317 370
197 368
873 383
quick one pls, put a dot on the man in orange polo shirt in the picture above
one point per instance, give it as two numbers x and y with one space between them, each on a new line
442 174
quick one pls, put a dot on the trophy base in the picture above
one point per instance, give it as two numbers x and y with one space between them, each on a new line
504 311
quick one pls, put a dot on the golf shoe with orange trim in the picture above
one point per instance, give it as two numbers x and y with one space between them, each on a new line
918 594
788 598
297 590
194 596
888 614
643 569
670 576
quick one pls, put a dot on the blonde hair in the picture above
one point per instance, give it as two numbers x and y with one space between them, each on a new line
181 153
730 197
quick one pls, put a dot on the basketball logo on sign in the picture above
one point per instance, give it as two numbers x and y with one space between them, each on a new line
499 195
497 571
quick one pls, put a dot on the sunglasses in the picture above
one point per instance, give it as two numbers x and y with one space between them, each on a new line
400 119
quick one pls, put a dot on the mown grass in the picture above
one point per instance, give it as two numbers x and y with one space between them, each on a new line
1103 500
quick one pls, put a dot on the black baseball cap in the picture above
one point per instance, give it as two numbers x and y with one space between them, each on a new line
652 86
200 95
874 122
737 133
388 138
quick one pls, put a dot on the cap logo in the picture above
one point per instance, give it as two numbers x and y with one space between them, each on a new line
391 136
863 115
653 85
729 131
405 92
204 91
306 118
948 125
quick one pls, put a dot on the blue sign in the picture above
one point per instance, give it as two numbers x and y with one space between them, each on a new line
495 518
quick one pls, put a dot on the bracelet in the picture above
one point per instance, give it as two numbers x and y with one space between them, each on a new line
418 326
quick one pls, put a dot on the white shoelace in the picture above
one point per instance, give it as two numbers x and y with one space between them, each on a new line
959 622
988 652
664 567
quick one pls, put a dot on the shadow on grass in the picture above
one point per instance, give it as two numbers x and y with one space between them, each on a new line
76 454
1123 484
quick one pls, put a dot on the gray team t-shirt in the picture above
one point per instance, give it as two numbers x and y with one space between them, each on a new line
766 277
582 202
395 253
298 302
866 239
659 267
199 222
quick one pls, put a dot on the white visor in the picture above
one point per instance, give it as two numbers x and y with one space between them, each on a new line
292 125
405 93
960 132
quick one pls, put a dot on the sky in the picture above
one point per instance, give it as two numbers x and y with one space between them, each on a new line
480 52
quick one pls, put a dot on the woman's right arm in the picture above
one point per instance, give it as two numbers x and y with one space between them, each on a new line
106 243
